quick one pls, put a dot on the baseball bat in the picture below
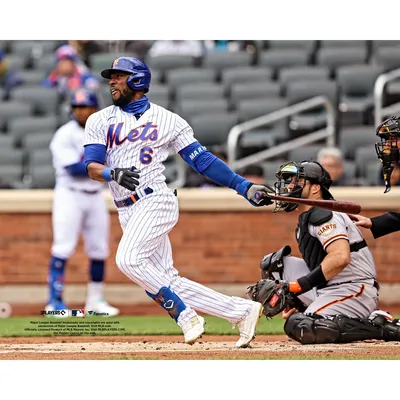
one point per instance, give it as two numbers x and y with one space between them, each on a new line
333 205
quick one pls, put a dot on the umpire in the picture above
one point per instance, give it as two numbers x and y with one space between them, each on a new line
336 264
388 154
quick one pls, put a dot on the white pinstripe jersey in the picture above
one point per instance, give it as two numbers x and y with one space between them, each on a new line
142 143
362 264
67 149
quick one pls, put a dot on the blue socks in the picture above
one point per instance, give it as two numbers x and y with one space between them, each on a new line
56 278
96 270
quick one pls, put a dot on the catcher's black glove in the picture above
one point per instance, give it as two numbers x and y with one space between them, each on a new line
126 177
273 295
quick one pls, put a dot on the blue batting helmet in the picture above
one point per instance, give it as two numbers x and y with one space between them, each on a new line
83 97
140 73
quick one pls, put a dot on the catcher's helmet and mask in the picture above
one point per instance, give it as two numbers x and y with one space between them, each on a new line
140 73
387 149
296 175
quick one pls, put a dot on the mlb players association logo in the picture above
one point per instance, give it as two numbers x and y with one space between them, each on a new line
78 313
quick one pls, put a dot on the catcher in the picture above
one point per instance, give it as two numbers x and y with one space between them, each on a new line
331 294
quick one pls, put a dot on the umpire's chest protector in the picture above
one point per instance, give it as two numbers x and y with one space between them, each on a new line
310 247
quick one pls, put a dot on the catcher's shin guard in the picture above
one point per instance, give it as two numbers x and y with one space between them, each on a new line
313 329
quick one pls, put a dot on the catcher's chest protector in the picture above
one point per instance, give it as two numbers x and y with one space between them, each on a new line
310 247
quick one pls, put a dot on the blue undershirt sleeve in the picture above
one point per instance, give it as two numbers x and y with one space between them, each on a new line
77 169
94 153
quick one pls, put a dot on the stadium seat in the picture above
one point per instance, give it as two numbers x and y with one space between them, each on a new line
303 73
22 127
44 100
387 57
254 90
11 173
200 91
6 141
343 43
17 61
100 61
377 44
42 177
11 156
350 168
39 157
213 129
279 58
46 63
230 76
308 45
38 140
302 90
188 108
354 137
32 77
365 155
334 57
267 135
159 94
182 76
9 110
373 171
356 84
253 108
303 153
105 96
167 62
23 48
221 60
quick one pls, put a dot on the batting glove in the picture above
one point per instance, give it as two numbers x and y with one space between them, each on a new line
257 195
126 177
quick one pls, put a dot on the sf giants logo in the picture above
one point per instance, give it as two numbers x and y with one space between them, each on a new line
149 132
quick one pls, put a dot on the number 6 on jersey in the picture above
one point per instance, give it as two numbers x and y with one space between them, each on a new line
146 155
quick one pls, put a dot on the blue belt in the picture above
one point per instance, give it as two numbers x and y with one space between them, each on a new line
132 199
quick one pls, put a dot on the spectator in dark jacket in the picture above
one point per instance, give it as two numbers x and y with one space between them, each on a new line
9 78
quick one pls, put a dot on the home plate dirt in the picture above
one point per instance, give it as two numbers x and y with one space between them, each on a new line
172 347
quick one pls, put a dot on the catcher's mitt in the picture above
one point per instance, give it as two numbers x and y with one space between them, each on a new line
273 295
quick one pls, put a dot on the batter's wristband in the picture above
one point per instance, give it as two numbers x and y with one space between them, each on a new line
106 174
314 278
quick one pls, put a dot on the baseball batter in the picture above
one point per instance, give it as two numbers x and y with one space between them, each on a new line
336 277
78 206
126 145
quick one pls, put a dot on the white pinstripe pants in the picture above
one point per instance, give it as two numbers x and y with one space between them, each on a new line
145 256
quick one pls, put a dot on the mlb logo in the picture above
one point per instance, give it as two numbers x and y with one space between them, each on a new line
78 313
